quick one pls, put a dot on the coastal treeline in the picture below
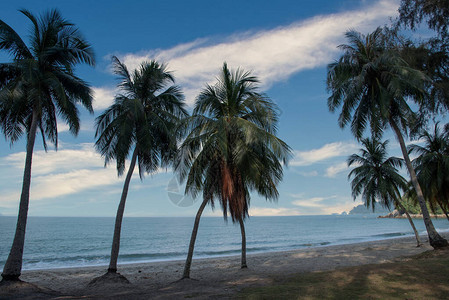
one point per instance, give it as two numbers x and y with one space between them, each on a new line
228 147
376 83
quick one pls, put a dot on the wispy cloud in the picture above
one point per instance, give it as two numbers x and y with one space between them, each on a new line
311 202
103 97
337 149
55 185
305 174
63 160
274 55
279 211
332 171
59 173
64 172
322 205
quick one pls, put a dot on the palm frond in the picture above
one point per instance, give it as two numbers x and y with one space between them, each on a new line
12 43
375 176
142 117
230 146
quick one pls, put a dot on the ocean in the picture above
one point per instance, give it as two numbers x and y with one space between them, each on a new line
61 242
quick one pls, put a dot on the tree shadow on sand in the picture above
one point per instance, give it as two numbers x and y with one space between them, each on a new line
17 289
109 278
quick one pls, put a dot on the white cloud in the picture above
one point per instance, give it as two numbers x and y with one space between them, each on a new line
86 125
322 205
332 171
337 149
274 55
304 206
64 172
280 211
103 97
63 160
310 202
62 126
305 174
55 185
59 173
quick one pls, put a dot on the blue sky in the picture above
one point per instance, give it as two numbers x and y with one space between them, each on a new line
287 44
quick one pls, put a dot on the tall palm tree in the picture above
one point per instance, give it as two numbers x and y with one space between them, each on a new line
432 167
372 83
231 149
36 87
376 177
142 121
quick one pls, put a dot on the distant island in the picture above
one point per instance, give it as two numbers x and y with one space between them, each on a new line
363 210
388 213
399 215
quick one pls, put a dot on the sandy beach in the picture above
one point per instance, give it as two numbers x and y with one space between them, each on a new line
214 277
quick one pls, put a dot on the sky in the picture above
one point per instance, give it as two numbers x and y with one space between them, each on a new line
287 44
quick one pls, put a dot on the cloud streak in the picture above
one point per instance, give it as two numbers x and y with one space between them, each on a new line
279 211
274 55
60 173
321 205
332 171
64 172
103 97
328 151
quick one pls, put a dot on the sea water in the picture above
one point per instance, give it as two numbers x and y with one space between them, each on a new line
58 242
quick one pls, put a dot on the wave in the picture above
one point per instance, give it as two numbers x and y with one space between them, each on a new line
69 261
308 245
390 235
48 249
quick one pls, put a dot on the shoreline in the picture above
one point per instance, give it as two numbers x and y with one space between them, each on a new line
105 265
414 216
221 277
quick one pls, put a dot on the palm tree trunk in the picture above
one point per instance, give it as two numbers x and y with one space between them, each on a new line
186 273
13 265
411 222
440 203
119 217
435 240
242 229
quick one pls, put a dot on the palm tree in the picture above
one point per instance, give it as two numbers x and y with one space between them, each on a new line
376 177
142 121
231 149
432 167
372 85
36 87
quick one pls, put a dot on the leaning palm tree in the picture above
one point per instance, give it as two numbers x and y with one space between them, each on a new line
141 122
432 167
375 177
231 149
372 84
36 87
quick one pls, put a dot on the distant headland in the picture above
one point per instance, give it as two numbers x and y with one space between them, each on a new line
398 215
363 210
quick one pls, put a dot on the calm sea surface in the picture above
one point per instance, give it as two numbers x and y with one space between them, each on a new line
53 242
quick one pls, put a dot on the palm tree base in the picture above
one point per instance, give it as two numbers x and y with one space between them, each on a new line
10 277
438 242
186 280
244 266
110 277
